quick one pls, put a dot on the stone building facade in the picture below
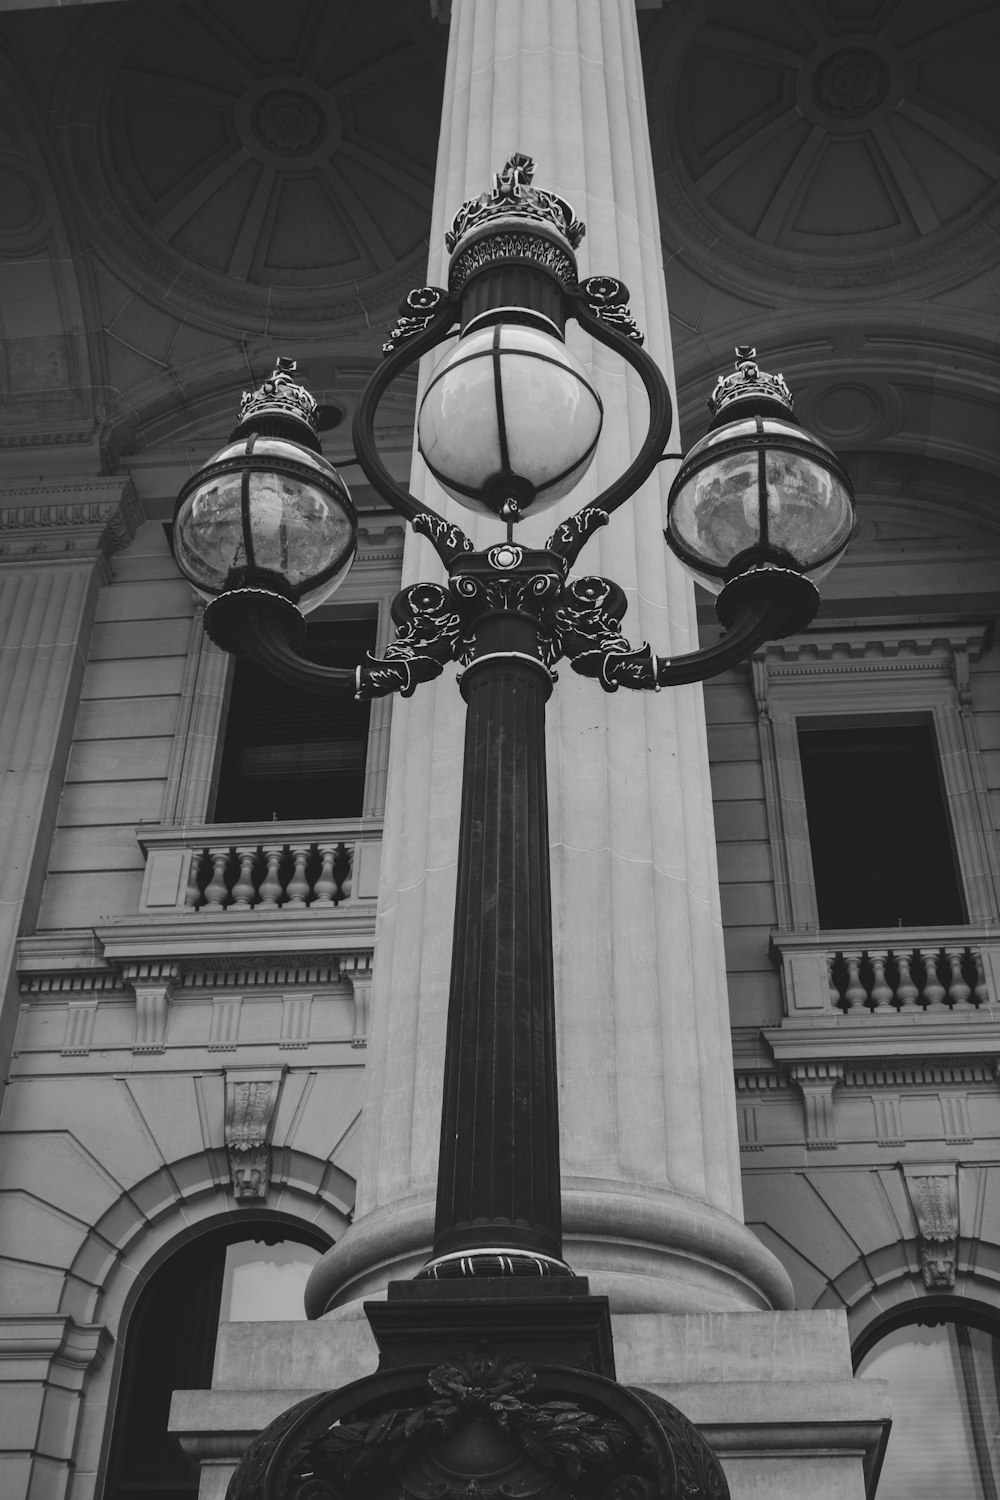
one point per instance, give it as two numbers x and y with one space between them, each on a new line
191 1020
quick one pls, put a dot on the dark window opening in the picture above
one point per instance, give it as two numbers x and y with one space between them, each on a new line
170 1345
878 830
291 754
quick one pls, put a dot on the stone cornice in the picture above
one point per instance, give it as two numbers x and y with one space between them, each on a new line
89 516
873 1073
195 954
879 646
921 1039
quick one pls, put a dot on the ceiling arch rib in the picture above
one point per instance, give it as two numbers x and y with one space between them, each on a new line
252 198
48 372
804 149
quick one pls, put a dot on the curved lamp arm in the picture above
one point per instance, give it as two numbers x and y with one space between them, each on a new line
758 606
600 307
267 629
425 324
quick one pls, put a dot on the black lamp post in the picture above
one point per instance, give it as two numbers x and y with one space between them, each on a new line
496 1376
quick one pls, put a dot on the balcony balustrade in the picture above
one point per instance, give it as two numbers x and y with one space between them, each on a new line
881 980
888 973
228 868
888 992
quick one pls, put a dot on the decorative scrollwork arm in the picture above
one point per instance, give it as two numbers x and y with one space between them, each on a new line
436 311
417 309
759 606
607 298
428 628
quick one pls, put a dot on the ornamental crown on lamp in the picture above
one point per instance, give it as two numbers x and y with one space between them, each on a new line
513 197
280 396
749 382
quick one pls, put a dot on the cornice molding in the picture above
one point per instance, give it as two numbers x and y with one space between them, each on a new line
97 516
876 647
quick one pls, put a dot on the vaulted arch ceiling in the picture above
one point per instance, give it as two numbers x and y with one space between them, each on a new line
223 177
240 177
48 388
262 165
828 175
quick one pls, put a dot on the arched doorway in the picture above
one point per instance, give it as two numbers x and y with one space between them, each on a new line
942 1364
247 1271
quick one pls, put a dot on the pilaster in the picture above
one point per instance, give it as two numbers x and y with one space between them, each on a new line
55 543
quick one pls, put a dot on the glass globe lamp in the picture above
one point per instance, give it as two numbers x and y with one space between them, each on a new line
509 420
758 491
268 511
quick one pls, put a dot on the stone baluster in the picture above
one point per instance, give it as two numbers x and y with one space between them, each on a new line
856 995
325 888
831 982
192 894
345 859
244 890
881 989
933 988
958 990
906 990
981 990
298 885
271 889
216 891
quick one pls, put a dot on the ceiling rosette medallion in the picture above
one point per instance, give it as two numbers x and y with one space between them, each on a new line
827 145
266 167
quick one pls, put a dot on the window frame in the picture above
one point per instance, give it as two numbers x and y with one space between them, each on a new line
879 673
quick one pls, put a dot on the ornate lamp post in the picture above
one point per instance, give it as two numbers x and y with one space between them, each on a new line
496 1373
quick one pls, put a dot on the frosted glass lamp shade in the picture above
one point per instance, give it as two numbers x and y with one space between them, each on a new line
759 491
269 513
510 414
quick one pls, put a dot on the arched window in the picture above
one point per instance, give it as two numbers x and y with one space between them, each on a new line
944 1385
249 1272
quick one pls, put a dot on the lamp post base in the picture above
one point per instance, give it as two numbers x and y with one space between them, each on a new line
489 1389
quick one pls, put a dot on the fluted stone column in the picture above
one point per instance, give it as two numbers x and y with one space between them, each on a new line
651 1196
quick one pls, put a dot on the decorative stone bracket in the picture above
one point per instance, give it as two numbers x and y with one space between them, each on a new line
356 970
817 1081
933 1195
251 1104
153 987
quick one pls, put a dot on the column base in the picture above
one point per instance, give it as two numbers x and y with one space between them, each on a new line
647 1250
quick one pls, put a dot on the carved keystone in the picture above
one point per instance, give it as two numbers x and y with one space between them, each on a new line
933 1195
251 1104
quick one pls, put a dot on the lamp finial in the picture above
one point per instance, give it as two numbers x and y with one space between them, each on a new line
513 197
749 382
279 396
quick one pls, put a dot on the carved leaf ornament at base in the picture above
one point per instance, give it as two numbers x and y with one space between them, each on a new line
483 1427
